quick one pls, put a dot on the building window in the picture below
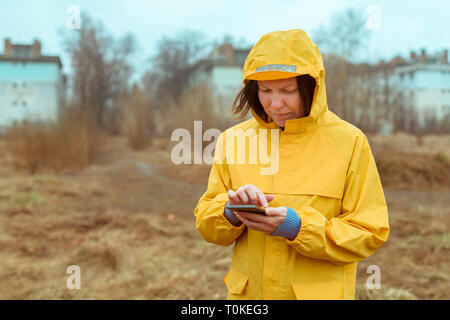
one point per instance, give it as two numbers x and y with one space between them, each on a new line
24 103
411 75
22 51
14 103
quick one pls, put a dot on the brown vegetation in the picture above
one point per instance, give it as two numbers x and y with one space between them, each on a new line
136 119
128 223
404 162
70 144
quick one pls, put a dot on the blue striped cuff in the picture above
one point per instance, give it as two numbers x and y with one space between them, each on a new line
290 227
231 216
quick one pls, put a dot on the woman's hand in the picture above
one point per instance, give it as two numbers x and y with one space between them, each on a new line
249 194
265 223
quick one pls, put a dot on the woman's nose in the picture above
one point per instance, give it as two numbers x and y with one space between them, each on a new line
276 103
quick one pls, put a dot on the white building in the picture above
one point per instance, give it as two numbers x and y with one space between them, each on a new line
407 93
425 84
31 85
222 70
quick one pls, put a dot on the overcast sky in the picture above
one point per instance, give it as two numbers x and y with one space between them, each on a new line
402 25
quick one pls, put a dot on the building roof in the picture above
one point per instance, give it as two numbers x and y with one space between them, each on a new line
26 53
436 62
54 59
224 55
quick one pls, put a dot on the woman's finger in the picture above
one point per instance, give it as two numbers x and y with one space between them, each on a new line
234 199
256 217
269 197
249 223
242 195
277 211
262 199
251 194
259 197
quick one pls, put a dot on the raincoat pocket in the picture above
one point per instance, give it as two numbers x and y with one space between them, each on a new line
325 290
236 282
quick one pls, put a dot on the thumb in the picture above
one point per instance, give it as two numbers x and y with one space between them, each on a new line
269 197
275 211
270 211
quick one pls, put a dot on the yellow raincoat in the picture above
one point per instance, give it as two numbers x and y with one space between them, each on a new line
326 173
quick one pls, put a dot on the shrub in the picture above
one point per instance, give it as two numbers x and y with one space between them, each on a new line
71 143
135 120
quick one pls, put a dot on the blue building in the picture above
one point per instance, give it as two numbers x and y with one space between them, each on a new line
32 85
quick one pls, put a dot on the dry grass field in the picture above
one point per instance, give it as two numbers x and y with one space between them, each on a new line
127 221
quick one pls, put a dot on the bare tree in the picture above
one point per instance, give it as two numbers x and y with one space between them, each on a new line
172 65
340 41
101 67
345 34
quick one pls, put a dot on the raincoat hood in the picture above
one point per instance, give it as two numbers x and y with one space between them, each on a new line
285 54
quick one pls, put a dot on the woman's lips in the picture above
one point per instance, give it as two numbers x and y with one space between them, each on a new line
281 116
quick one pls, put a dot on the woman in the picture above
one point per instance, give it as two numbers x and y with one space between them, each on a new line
325 207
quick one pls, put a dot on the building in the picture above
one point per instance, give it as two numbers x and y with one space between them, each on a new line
402 94
424 83
222 71
32 85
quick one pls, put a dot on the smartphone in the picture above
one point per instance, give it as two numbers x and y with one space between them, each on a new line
247 208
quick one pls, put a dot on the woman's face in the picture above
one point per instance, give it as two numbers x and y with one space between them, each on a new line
281 99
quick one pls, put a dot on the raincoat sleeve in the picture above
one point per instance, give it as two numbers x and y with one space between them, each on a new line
362 226
210 211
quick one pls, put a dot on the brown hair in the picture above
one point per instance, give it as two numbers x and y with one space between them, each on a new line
248 97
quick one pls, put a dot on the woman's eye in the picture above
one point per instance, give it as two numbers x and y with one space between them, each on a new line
284 90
